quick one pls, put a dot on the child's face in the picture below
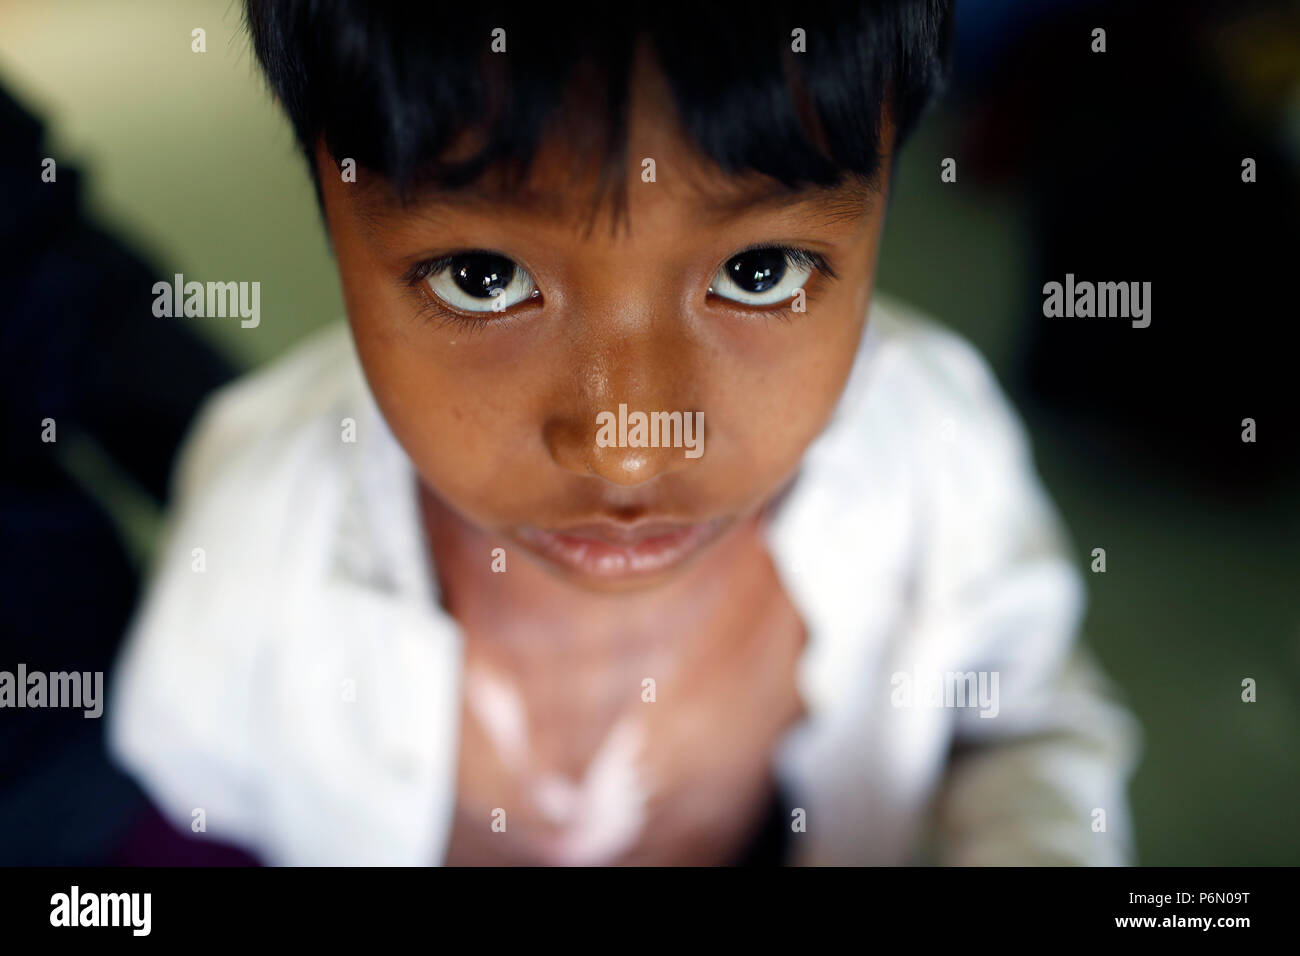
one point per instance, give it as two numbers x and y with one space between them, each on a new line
499 410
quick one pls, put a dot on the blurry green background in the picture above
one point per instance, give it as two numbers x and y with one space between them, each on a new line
187 158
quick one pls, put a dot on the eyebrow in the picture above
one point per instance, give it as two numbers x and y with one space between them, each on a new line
842 204
833 205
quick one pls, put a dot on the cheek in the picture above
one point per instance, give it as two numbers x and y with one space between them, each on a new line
775 414
460 433
787 379
455 427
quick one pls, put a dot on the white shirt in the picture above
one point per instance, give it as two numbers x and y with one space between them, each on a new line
298 682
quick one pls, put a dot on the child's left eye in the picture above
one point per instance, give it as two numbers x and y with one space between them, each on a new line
765 276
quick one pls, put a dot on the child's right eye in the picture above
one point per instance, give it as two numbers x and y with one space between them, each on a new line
475 281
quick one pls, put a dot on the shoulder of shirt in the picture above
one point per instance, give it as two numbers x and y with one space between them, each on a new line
969 445
267 413
927 394
262 478
904 343
925 430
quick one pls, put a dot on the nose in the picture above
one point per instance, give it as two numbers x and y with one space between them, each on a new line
575 449
628 418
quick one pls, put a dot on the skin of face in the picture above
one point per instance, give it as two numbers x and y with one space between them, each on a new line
498 411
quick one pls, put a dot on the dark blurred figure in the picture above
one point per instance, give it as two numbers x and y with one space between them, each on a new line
1131 164
81 346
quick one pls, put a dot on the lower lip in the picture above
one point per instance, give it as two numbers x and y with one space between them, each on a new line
598 558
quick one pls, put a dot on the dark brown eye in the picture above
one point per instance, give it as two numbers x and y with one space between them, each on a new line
767 275
758 270
480 274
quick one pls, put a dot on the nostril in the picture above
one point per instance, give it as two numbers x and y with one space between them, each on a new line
567 442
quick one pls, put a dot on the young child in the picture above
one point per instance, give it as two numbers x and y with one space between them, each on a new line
626 518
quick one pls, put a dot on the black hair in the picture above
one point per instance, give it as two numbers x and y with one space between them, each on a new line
394 84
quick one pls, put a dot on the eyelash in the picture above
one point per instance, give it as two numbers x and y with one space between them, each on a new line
793 256
432 306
